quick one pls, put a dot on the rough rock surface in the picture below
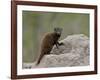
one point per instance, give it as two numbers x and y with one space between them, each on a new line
74 52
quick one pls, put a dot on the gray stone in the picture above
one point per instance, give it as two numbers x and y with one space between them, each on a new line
74 52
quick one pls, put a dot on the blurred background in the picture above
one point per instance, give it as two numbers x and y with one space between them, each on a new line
36 24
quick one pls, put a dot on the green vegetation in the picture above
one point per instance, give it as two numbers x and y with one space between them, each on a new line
36 24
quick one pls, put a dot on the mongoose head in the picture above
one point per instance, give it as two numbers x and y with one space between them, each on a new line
58 30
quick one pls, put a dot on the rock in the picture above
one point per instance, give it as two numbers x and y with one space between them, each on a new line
74 52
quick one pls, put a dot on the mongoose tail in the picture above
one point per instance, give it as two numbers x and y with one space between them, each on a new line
41 56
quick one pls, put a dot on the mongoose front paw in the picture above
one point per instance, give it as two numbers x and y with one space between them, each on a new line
60 44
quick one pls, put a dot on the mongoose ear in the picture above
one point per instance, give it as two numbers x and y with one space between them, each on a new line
58 29
55 29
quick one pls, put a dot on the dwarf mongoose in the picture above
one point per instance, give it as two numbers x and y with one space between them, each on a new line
49 40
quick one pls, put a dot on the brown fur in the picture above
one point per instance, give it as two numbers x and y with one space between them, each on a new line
49 40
